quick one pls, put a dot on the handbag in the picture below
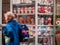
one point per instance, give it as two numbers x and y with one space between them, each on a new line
7 39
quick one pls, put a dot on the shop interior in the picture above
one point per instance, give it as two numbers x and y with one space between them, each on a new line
41 16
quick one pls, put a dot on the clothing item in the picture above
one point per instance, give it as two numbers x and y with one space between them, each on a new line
11 31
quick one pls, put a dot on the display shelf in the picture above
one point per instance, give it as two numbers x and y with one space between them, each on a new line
31 25
38 10
19 5
46 25
57 25
45 36
42 37
45 13
45 4
22 24
32 30
58 14
27 14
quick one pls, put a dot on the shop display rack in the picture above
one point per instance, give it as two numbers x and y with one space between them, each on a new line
39 16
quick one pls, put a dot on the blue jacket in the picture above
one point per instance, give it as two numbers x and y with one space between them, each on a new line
11 31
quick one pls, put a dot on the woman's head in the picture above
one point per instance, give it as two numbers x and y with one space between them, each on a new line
9 16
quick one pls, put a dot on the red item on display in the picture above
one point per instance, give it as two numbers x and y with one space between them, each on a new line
57 32
49 20
41 9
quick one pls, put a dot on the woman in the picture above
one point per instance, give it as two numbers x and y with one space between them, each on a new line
11 30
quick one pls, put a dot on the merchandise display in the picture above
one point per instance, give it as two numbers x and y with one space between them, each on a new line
24 10
30 20
45 31
22 1
32 33
45 2
44 9
26 1
45 20
38 17
14 11
43 41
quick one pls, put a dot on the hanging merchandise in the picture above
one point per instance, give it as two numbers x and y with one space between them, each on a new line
41 9
49 20
44 9
46 21
50 1
29 20
45 1
25 10
47 9
32 33
39 33
21 10
48 29
21 20
42 1
32 21
51 31
45 41
14 11
32 9
43 31
40 41
42 21
39 21
18 10
52 40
